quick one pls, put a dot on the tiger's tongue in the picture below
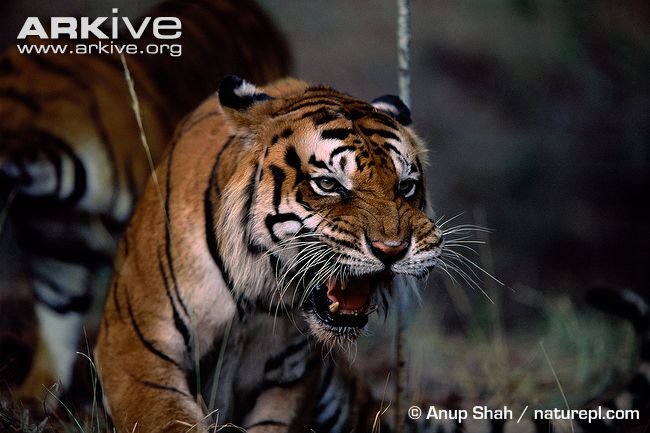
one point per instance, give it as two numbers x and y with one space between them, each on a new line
351 295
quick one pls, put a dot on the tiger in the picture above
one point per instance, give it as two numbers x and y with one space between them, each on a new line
286 213
72 161
284 216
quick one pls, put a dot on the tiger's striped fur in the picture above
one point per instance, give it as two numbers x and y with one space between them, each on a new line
71 160
277 204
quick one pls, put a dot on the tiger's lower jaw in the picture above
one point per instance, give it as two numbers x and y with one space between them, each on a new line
338 310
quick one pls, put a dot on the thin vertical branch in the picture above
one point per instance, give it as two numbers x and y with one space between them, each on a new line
400 376
404 50
404 84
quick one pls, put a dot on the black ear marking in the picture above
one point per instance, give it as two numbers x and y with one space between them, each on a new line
238 94
394 107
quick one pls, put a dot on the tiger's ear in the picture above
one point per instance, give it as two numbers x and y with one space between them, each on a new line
238 94
394 107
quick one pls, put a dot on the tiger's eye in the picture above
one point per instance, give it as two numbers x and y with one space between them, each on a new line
327 184
407 187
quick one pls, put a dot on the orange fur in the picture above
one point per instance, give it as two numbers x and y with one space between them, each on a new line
198 260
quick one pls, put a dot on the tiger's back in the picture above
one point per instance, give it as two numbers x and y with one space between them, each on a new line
72 161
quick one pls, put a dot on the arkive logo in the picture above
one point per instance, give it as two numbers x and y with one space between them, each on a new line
163 28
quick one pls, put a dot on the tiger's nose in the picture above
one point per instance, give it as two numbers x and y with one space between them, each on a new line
389 251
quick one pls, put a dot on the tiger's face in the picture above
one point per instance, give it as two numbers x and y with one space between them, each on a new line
339 205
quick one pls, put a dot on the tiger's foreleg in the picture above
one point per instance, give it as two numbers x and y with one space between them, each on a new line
157 398
143 360
281 410
285 407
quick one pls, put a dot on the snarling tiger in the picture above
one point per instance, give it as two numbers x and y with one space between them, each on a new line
72 163
283 216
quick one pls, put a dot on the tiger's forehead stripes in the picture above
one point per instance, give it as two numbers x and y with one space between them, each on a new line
354 138
324 98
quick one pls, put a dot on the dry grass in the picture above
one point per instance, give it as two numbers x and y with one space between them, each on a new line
487 363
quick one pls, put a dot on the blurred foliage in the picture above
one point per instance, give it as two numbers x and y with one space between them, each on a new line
482 362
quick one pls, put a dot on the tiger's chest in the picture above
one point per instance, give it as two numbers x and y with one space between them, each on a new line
261 351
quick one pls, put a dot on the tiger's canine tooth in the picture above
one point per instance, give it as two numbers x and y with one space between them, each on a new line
334 307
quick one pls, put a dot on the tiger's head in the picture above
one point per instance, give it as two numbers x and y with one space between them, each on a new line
326 205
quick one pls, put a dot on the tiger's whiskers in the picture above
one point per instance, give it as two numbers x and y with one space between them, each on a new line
454 260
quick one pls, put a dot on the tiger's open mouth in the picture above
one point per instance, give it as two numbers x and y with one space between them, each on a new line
341 306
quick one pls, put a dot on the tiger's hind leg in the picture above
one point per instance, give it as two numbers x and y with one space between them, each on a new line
47 183
62 298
